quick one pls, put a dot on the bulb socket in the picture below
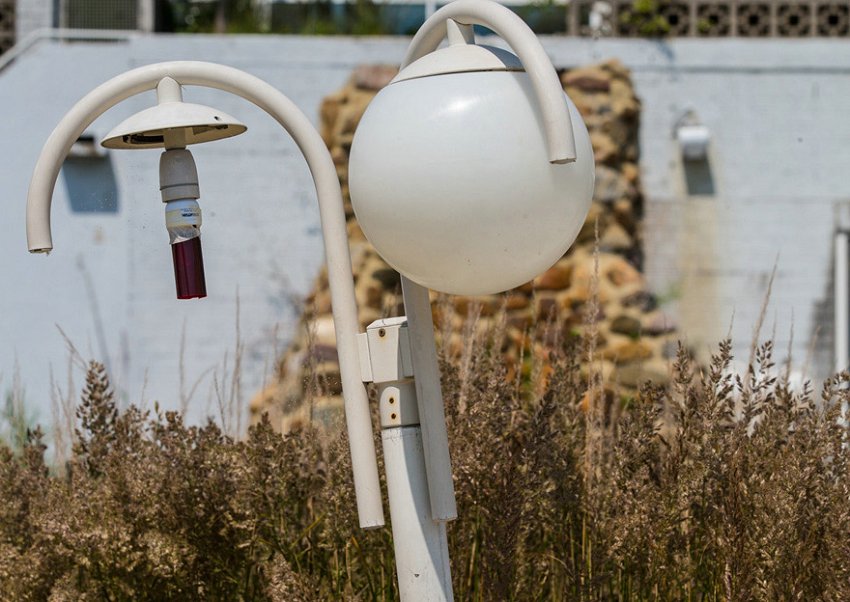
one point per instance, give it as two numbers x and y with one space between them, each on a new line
189 269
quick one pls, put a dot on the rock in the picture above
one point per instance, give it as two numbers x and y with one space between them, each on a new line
617 270
658 323
580 292
626 325
592 315
514 301
324 353
388 277
328 378
623 100
615 239
367 315
623 136
617 69
624 213
642 300
328 112
354 232
482 305
590 105
610 185
347 120
555 278
604 149
265 398
520 320
631 172
526 288
546 306
587 234
636 374
321 302
588 79
369 295
373 77
605 98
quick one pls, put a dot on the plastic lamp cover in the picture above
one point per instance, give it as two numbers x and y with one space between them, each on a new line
451 182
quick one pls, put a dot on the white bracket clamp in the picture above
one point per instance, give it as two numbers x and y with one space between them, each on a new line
385 360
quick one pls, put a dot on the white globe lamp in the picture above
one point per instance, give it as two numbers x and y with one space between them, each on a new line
452 177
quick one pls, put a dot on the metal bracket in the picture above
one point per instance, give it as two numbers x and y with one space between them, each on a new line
385 360
397 404
385 351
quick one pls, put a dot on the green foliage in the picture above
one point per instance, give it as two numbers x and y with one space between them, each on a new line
322 17
718 487
645 19
238 16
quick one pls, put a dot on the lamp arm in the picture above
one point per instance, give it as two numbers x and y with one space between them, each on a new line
290 117
544 79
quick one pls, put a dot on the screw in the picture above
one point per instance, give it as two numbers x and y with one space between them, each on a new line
382 333
393 415
392 399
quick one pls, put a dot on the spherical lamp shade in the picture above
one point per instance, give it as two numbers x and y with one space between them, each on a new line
450 181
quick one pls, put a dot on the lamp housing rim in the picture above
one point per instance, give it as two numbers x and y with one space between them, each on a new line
146 129
460 58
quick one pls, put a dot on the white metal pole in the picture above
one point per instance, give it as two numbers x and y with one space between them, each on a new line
841 299
547 87
287 114
421 546
420 542
429 399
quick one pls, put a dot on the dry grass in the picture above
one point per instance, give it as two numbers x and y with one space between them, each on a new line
683 498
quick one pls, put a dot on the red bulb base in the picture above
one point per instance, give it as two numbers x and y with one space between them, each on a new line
189 269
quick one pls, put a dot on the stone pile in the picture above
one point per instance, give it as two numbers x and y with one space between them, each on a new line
633 340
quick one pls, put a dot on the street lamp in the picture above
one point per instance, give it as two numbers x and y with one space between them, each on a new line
172 127
470 173
497 144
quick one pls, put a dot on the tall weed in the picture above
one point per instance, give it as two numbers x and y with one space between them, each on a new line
720 486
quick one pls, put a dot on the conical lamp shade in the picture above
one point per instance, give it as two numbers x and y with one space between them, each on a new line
146 129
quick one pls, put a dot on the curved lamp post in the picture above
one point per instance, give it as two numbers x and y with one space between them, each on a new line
470 173
453 123
173 135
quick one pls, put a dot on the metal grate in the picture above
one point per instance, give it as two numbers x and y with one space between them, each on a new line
100 14
711 18
7 25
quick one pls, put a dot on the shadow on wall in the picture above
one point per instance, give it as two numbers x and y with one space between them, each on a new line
91 184
821 354
699 180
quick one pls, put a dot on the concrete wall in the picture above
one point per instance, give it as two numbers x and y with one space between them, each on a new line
777 161
31 15
111 272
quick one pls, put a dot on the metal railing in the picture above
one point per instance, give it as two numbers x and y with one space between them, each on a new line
39 35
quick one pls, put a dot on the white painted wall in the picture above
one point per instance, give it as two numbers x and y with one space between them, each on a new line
776 110
261 232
